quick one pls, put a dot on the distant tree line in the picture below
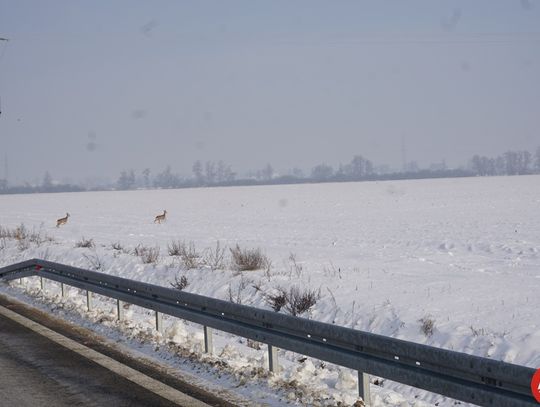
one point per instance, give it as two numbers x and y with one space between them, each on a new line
358 169
212 173
219 173
209 173
509 163
47 185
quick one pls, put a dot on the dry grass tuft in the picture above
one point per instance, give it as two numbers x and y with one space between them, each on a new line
248 259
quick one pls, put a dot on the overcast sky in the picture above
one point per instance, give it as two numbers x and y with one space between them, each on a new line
89 88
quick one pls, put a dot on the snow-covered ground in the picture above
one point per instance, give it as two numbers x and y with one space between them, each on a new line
464 253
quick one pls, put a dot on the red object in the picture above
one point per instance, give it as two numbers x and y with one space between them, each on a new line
535 385
38 267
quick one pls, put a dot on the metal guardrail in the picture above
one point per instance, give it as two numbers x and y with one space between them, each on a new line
457 375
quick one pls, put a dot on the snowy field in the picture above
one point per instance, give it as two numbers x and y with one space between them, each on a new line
462 253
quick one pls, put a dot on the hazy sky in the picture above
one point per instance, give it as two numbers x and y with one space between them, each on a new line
89 88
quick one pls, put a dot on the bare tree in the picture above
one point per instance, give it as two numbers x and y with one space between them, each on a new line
525 162
517 162
483 165
359 167
297 172
126 180
267 173
166 179
221 171
198 172
146 177
500 166
47 181
322 172
210 169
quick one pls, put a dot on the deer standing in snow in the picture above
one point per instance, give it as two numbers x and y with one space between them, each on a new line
62 221
160 218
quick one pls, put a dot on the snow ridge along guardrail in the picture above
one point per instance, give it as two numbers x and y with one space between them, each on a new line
457 375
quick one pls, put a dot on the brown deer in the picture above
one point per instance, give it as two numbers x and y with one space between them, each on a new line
62 221
160 218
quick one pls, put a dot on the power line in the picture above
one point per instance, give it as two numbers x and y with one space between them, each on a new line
426 39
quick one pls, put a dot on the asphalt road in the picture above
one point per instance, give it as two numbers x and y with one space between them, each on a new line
35 371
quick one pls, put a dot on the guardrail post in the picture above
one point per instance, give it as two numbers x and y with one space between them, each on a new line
159 322
273 364
120 310
63 289
42 283
363 388
89 304
208 340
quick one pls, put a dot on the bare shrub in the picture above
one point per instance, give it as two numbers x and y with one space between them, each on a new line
38 237
151 256
268 269
175 248
277 301
332 271
5 233
477 331
180 283
248 259
23 244
257 286
187 252
24 236
117 246
295 266
45 254
294 301
253 344
20 233
215 257
236 297
86 243
139 250
427 326
190 256
299 302
148 255
96 263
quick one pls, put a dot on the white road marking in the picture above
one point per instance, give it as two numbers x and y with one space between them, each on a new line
130 374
